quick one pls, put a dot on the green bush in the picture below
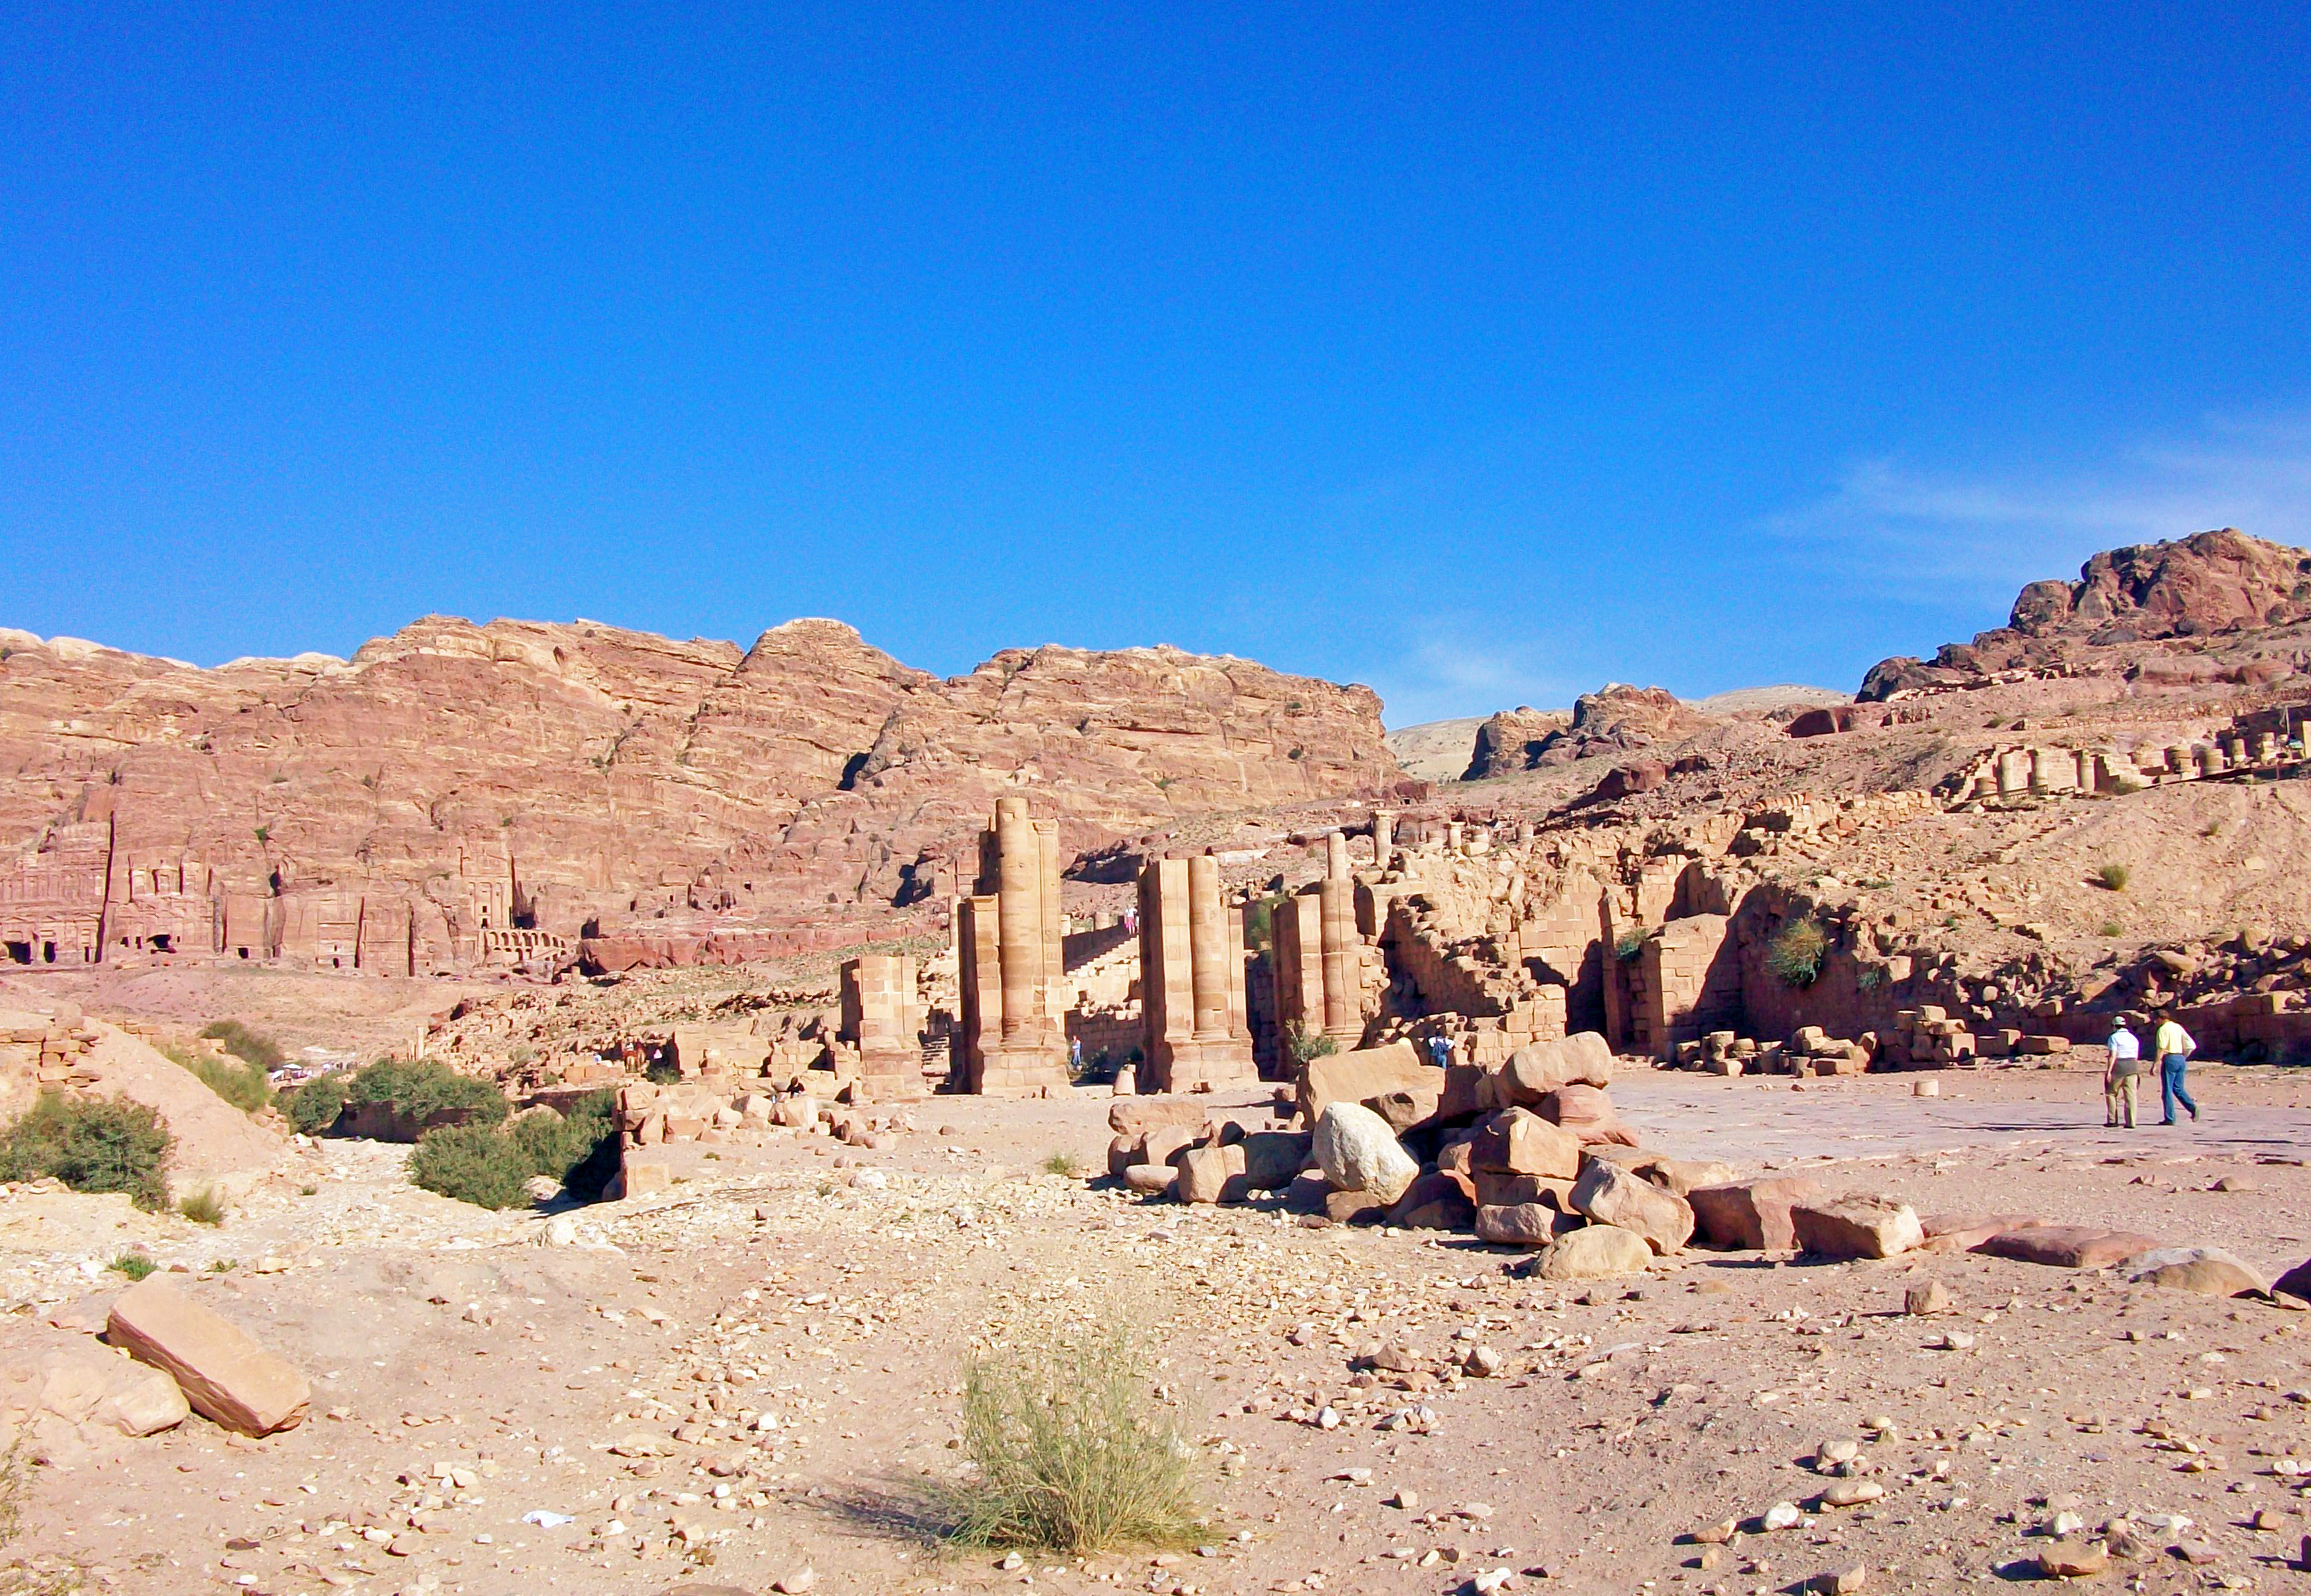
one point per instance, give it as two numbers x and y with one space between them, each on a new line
1796 953
580 1149
135 1265
423 1088
2113 878
1072 1454
90 1146
244 1085
315 1106
474 1164
247 1045
1307 1045
1629 944
490 1166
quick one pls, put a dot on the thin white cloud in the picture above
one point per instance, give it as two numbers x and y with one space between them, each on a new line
1445 675
1941 537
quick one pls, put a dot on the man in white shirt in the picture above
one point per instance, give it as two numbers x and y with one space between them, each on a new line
2120 1081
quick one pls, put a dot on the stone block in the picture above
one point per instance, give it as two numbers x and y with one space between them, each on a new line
1611 1195
2068 1246
1750 1213
1211 1174
225 1374
1518 1141
1856 1228
1363 1073
1594 1252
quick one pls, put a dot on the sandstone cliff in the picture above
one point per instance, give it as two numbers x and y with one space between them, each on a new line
454 779
2211 583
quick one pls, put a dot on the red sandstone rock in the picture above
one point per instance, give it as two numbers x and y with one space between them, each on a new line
2068 1246
457 792
225 1374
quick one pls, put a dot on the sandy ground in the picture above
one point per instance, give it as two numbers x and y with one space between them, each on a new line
838 1291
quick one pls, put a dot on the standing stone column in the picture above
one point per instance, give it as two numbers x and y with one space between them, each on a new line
1020 914
1208 943
1053 988
1337 920
1336 856
1383 837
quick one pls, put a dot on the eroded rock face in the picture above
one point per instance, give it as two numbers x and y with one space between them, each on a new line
2210 582
451 777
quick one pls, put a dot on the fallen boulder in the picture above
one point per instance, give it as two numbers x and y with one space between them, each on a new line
1533 1071
1434 1201
1593 1252
1751 1213
1856 1228
1611 1195
1358 1152
1364 1073
1521 1142
2208 1270
225 1374
1522 1224
1212 1174
1587 1112
2068 1246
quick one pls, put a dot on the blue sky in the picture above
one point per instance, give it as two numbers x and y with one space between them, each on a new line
1482 354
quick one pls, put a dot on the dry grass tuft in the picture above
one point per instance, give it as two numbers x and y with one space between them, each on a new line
1070 1451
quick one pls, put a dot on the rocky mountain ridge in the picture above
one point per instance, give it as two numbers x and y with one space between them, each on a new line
603 775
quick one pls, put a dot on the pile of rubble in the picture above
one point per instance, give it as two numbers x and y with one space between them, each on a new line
1533 1155
1809 1050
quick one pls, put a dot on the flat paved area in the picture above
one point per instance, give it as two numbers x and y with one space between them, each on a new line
1759 1122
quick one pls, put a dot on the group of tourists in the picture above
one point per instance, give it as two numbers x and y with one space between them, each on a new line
2171 1048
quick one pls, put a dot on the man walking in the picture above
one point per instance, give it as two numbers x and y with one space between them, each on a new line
2120 1081
2174 1047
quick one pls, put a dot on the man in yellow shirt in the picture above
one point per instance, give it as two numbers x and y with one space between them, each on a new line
2173 1046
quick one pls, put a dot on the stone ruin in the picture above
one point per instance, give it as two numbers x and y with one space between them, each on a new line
1192 979
81 896
1013 968
2265 742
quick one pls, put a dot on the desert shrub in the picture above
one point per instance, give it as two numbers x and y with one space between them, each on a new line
1796 953
580 1149
490 1166
1307 1045
90 1146
1629 944
315 1106
1870 978
203 1207
474 1164
1063 1164
247 1045
2111 928
243 1085
423 1087
135 1265
2113 878
1070 1452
